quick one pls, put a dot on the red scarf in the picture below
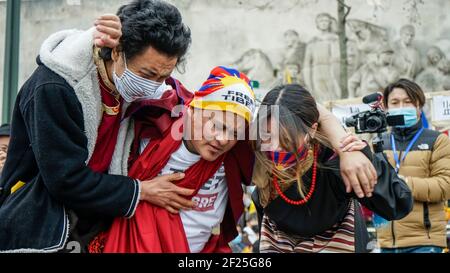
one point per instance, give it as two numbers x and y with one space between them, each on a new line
107 132
153 229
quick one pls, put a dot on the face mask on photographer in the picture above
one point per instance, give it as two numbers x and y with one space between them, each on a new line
133 87
409 114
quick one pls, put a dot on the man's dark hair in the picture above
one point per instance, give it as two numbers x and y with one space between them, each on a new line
152 23
415 93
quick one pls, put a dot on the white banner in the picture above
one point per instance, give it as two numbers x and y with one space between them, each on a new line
441 108
342 112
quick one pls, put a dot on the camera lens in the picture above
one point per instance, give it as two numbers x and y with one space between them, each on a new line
374 123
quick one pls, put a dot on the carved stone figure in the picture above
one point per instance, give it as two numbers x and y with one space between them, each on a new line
368 38
294 51
444 67
353 57
322 61
430 78
407 57
291 74
374 76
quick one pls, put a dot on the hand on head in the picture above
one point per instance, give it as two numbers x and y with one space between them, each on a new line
108 30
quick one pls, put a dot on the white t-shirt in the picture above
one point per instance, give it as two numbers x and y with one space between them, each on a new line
211 199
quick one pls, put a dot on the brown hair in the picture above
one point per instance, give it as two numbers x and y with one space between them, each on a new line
414 91
298 112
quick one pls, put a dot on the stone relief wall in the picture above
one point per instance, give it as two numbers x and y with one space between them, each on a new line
284 41
387 40
298 41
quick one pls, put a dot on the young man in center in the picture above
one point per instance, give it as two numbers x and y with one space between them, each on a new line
206 144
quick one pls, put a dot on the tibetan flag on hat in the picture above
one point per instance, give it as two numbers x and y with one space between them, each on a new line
226 90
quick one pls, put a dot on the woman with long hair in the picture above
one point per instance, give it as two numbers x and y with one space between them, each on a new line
302 202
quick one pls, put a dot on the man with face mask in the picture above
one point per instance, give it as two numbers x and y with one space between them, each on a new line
66 123
422 157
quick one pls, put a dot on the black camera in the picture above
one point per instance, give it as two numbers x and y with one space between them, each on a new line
375 120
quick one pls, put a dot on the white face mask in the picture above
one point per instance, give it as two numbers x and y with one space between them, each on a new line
133 87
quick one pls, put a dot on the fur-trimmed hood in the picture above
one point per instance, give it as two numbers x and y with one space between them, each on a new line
69 54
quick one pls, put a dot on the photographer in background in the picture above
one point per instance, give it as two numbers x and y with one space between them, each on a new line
422 157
